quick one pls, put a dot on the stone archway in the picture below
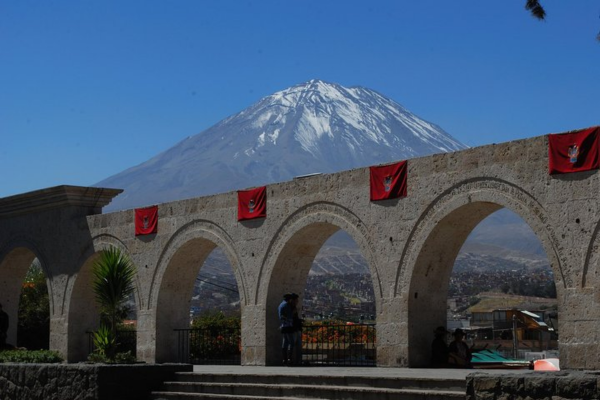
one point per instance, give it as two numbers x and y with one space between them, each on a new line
81 309
435 241
591 268
15 260
173 285
290 256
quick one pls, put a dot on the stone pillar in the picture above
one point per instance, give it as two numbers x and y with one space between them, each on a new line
392 340
59 339
253 335
579 329
146 336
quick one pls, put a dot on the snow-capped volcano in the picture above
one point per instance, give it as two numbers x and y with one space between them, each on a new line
311 127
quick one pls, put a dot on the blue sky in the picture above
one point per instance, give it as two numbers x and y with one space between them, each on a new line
90 88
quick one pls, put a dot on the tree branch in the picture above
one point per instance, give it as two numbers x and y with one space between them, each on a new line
536 9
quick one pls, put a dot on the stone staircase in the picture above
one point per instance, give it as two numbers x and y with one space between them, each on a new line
189 386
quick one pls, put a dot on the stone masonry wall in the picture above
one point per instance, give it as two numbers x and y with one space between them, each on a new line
534 386
410 245
83 381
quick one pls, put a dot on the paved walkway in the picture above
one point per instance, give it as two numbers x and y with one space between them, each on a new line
349 371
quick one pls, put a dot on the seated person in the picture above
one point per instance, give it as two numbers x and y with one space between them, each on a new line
460 354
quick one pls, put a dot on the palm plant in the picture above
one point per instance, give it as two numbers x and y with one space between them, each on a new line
113 280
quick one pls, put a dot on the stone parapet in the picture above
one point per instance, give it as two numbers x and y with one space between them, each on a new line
563 385
83 381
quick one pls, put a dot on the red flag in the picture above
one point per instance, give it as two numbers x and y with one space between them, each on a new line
252 203
146 220
388 181
573 151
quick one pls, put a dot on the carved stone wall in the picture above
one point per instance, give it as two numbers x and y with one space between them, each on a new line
410 245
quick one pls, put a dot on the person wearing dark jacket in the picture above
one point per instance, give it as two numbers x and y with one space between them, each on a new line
439 348
297 325
286 318
460 354
3 327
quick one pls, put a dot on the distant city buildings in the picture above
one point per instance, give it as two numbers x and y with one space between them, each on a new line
348 294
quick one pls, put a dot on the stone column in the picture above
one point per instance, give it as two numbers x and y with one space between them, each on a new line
392 340
254 339
146 336
579 329
59 339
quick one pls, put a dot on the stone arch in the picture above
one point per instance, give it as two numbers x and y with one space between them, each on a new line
591 267
173 281
16 258
81 312
296 244
431 249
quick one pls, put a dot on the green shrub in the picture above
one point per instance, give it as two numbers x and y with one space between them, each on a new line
119 358
104 341
30 356
125 358
216 320
215 336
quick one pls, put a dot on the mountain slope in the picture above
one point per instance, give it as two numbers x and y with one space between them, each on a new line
311 127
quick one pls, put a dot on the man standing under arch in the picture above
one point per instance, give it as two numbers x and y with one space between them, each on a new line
286 326
3 327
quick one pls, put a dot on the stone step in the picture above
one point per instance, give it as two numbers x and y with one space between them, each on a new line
445 384
213 396
310 391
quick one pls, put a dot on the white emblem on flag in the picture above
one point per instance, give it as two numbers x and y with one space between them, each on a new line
573 153
387 182
251 206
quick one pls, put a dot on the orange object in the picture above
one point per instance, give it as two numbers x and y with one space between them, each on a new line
548 364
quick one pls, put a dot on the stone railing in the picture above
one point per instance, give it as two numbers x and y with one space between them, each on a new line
534 386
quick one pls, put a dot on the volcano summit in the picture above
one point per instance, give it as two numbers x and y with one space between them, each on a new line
311 127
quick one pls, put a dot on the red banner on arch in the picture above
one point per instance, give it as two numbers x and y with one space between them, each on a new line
388 181
252 203
573 151
146 220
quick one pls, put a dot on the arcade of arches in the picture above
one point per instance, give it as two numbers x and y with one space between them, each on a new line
410 245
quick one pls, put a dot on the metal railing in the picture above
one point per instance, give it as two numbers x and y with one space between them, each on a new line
126 341
210 346
326 344
339 345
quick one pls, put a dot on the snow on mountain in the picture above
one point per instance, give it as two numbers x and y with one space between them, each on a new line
311 127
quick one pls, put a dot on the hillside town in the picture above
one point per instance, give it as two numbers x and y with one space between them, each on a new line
335 291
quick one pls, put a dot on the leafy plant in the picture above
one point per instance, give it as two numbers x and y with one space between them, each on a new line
125 358
113 280
30 356
104 341
335 331
215 336
216 320
119 358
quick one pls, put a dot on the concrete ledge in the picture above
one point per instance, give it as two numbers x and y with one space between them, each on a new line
561 385
84 381
57 197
